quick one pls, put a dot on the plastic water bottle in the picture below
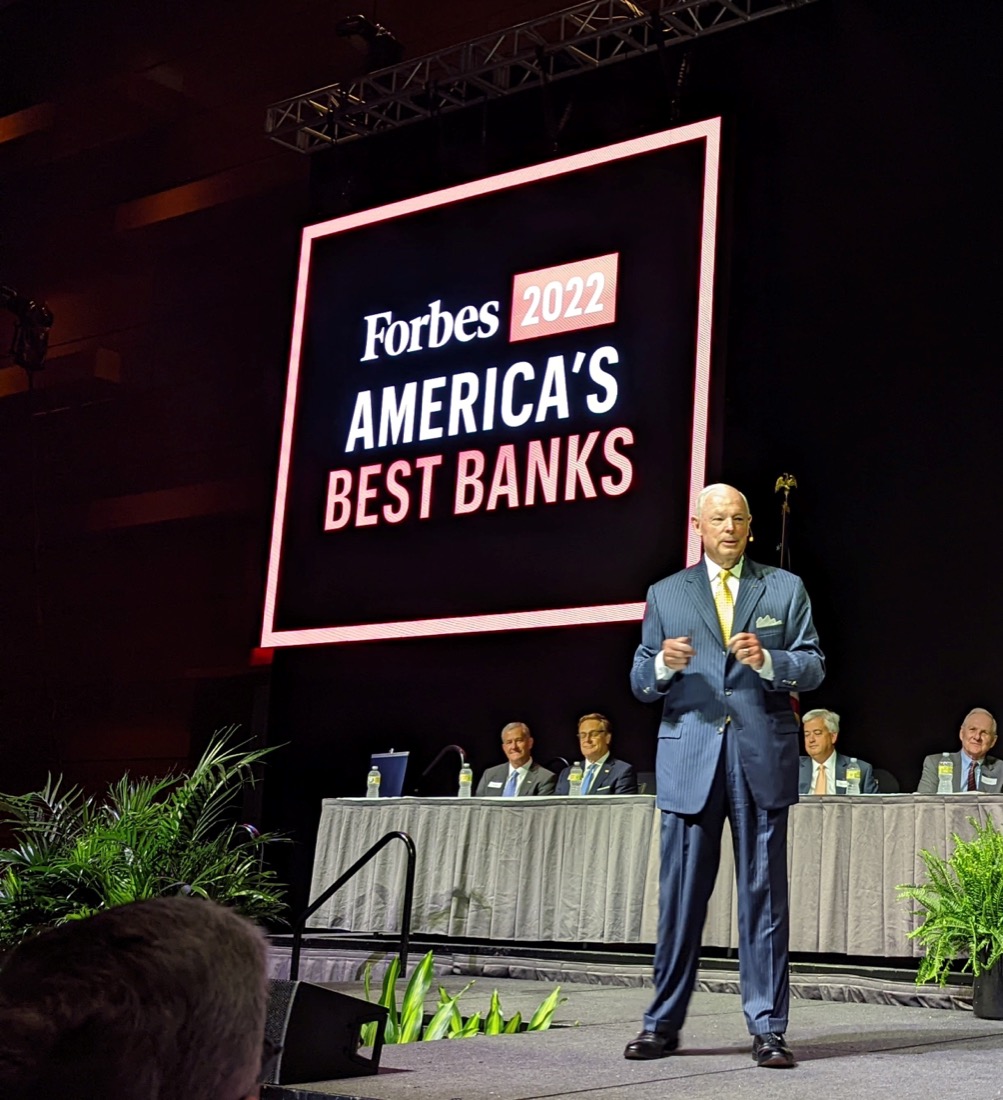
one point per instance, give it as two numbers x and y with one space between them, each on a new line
945 775
466 781
853 776
575 779
373 782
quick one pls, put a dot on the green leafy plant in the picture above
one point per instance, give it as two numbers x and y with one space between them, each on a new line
73 855
412 1023
961 904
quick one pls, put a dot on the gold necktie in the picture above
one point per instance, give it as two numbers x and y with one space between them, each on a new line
725 604
820 784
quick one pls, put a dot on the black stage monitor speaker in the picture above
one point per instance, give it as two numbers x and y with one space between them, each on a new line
317 1029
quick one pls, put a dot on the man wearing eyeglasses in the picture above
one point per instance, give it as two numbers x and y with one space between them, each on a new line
521 776
603 773
723 645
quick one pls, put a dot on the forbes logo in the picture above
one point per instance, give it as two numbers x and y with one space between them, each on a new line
434 329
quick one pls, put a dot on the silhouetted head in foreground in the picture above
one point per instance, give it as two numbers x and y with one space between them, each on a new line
157 999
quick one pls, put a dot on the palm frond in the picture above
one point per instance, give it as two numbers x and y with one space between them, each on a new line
72 855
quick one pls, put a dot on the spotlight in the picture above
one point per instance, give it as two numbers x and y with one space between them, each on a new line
383 49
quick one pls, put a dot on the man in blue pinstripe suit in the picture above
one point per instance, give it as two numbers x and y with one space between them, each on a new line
724 644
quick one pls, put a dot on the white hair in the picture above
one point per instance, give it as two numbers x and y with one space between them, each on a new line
829 717
981 710
719 487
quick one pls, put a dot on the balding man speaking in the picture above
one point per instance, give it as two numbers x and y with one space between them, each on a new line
723 645
974 768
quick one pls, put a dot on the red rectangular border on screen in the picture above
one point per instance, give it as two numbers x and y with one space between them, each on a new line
708 131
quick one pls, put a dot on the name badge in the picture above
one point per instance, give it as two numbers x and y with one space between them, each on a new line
495 783
989 780
842 783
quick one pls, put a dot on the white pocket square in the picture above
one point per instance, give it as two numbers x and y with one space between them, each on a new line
767 620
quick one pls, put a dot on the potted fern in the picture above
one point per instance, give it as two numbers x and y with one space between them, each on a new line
72 854
961 905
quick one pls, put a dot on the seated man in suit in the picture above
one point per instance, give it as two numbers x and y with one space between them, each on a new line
604 774
974 768
521 776
823 770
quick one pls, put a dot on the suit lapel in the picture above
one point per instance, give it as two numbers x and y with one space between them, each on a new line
600 775
751 588
698 587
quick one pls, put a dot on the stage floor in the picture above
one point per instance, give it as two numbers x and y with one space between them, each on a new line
842 1048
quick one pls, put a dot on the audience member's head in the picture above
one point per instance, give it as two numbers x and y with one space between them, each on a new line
594 735
821 730
154 1000
978 733
517 744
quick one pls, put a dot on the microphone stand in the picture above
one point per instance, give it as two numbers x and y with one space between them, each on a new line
785 482
438 756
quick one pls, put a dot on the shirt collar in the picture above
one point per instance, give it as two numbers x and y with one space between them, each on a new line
522 771
599 763
967 761
713 569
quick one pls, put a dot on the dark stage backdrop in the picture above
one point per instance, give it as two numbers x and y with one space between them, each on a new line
859 350
484 377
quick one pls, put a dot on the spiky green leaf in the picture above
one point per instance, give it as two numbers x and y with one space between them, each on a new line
494 1020
543 1016
413 1005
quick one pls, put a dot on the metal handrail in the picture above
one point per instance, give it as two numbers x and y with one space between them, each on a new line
294 961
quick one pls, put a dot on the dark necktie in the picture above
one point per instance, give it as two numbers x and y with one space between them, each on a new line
972 785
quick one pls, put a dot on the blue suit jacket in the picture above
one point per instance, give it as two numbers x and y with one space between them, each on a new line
614 777
715 689
868 784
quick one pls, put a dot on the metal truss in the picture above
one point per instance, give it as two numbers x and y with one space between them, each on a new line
578 39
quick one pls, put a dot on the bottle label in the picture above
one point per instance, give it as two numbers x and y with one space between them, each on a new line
946 768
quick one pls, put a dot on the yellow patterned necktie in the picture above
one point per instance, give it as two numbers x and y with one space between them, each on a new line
725 604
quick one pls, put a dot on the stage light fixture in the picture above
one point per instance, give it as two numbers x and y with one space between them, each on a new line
32 322
382 47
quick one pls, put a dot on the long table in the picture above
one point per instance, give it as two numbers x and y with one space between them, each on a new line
567 870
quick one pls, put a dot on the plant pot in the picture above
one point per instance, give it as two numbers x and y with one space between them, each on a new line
987 993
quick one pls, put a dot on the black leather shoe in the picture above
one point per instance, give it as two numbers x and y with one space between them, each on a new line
651 1044
771 1051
